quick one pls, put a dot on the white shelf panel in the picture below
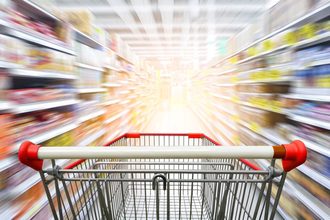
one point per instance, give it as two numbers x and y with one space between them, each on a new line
115 117
41 74
111 102
312 41
109 84
264 54
282 79
224 72
34 37
111 68
91 116
314 175
7 65
90 90
87 40
313 146
316 206
5 105
24 108
310 121
320 62
49 134
92 137
318 98
280 111
87 66
313 16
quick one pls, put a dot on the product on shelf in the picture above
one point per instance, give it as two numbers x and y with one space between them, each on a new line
48 59
260 117
66 139
57 31
6 134
25 96
88 55
32 124
13 50
82 20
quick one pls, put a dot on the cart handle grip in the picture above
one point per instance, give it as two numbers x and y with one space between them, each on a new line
292 155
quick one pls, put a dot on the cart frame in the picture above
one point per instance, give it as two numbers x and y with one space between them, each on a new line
144 182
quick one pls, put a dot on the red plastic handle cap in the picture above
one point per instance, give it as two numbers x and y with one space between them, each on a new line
133 135
295 155
28 155
195 135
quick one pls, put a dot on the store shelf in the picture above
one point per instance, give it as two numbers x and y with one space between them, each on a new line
114 135
124 58
7 162
111 102
311 91
224 84
315 15
267 108
90 90
24 108
39 138
115 117
322 38
222 96
224 72
310 121
312 145
210 129
110 84
111 68
91 116
5 105
8 65
268 133
90 67
41 74
265 53
91 137
281 79
35 9
317 98
87 40
33 37
307 199
320 62
316 176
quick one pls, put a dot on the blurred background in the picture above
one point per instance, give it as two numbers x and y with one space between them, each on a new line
244 72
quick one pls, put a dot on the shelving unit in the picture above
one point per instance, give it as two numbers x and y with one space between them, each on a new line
234 81
90 102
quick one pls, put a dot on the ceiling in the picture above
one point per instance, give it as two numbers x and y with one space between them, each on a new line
171 29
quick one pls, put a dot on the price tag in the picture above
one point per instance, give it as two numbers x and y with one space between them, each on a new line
235 118
255 127
252 51
274 74
235 140
268 45
234 79
233 59
323 82
235 99
308 30
277 106
290 38
254 76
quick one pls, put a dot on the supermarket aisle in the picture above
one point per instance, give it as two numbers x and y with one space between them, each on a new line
176 118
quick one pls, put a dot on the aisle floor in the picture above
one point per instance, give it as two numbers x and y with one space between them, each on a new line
175 118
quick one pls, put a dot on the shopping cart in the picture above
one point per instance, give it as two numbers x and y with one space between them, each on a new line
163 176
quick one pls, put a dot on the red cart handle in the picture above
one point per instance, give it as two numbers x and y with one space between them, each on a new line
292 155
